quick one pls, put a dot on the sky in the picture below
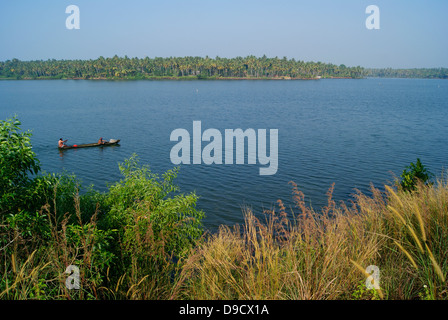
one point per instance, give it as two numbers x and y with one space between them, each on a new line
412 34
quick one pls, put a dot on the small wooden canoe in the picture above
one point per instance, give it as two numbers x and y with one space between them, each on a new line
88 145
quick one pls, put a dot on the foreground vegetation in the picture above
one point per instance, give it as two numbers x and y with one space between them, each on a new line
143 239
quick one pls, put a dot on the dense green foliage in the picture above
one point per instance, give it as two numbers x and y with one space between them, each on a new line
143 196
200 68
414 173
184 67
17 160
424 73
131 233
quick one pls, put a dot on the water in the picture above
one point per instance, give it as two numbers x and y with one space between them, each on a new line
350 132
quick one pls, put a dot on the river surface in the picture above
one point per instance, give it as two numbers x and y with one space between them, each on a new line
350 132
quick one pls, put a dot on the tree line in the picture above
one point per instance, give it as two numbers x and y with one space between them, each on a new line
176 67
424 73
201 68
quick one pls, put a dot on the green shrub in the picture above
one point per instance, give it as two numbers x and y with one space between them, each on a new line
17 162
417 172
158 202
156 225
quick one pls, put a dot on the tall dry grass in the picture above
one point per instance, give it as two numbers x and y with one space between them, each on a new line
304 254
417 229
290 255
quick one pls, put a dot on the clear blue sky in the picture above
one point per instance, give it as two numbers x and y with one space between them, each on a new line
414 33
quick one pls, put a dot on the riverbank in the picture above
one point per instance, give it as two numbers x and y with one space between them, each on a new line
301 255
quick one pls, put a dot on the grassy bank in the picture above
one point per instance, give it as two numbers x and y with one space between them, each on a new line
291 255
143 239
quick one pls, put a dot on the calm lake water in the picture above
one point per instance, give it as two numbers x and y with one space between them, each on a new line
351 132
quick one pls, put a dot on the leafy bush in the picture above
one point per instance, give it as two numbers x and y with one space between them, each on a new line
157 201
17 161
417 172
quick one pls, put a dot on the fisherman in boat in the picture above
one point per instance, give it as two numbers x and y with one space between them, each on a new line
101 141
61 143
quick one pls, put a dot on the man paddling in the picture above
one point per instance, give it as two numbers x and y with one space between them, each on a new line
101 141
61 143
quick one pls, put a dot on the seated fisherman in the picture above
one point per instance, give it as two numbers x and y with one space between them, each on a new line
61 143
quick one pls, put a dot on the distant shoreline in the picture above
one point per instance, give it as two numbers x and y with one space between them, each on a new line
194 78
187 78
201 68
176 68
